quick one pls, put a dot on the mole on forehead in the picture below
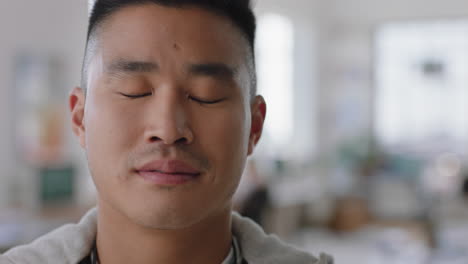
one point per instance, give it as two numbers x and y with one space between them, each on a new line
176 46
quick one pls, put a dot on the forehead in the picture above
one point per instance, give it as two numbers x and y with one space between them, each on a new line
148 29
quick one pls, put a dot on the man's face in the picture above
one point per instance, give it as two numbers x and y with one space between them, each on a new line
167 122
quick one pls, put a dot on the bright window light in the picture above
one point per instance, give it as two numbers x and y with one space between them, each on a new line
422 80
90 6
275 77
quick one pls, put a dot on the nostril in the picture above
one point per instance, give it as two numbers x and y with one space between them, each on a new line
154 139
182 140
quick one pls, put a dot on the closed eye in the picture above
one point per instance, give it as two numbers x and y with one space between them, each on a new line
134 96
201 101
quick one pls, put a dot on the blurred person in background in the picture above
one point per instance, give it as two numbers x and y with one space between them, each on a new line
252 198
167 114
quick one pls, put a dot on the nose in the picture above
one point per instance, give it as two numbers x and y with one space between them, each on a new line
167 122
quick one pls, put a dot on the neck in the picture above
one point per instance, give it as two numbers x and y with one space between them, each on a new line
119 240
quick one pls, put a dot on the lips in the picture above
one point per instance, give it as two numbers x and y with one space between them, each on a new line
168 172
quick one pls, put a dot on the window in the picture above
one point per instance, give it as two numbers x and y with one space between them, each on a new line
90 5
422 80
275 43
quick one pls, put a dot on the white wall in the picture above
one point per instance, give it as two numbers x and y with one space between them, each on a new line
374 11
54 27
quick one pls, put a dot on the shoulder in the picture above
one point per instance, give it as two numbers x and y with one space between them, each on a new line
67 244
260 248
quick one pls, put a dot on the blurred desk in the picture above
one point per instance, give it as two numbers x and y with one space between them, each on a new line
374 244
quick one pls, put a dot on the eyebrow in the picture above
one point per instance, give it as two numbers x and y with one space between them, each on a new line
132 66
216 70
219 71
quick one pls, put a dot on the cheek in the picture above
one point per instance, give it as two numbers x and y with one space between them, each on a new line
224 137
109 134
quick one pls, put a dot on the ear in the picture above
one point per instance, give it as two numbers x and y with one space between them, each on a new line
77 106
258 108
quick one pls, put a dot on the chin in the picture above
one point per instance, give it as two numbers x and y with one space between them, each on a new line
168 218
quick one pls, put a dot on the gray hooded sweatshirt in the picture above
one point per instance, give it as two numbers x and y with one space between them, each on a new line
71 243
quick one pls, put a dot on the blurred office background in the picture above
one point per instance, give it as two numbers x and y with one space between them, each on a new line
364 154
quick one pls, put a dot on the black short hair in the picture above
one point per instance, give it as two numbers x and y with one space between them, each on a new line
239 12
